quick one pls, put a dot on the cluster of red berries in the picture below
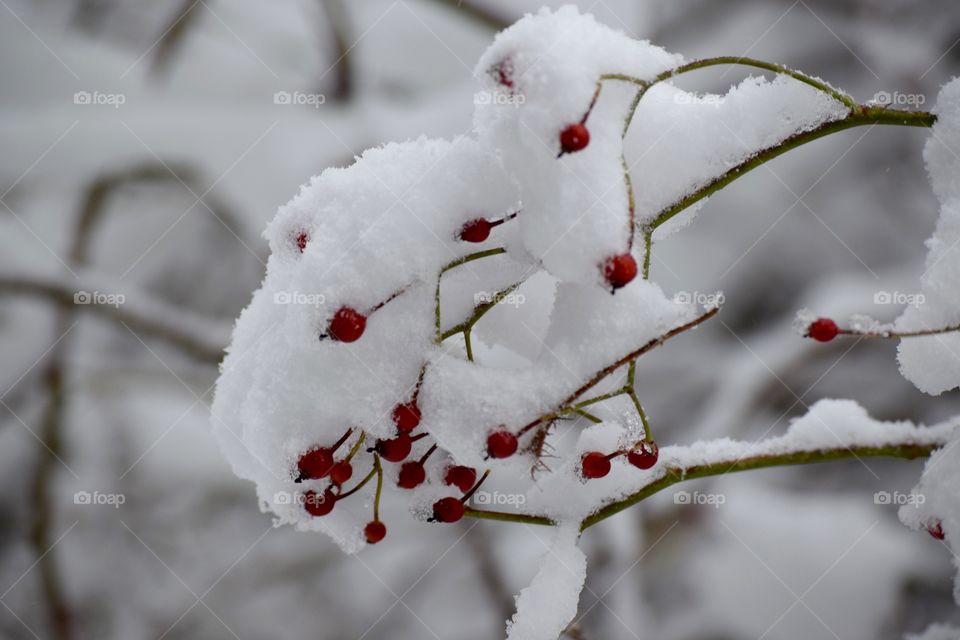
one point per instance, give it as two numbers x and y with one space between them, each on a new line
319 462
594 464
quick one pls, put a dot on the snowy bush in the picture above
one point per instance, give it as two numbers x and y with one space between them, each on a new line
354 370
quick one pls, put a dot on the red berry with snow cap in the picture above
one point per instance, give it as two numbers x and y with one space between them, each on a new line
644 456
315 464
476 230
302 239
594 464
319 504
406 416
448 510
620 270
347 325
412 474
394 449
574 138
935 529
461 477
501 444
823 330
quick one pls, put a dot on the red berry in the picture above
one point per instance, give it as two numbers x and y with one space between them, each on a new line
448 510
341 472
411 475
462 477
574 138
644 456
315 464
476 230
406 416
319 504
395 449
503 72
936 530
347 325
302 241
620 270
823 330
375 531
501 444
594 464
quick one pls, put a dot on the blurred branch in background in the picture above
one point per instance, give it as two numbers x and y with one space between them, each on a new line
477 11
338 22
173 36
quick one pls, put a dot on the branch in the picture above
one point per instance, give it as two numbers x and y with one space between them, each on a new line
199 337
862 115
913 447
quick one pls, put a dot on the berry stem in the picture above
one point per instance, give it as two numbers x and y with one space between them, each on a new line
887 335
632 392
426 455
376 496
453 265
479 311
356 446
469 494
468 343
589 416
366 479
343 438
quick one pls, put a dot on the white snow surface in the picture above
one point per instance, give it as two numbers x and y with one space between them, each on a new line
932 363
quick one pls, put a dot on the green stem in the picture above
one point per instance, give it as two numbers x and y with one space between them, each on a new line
479 311
673 476
860 116
632 392
453 265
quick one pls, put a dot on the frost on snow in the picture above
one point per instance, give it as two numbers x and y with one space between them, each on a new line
347 326
932 363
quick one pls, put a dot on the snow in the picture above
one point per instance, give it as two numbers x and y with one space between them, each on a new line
546 607
936 632
939 504
932 363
